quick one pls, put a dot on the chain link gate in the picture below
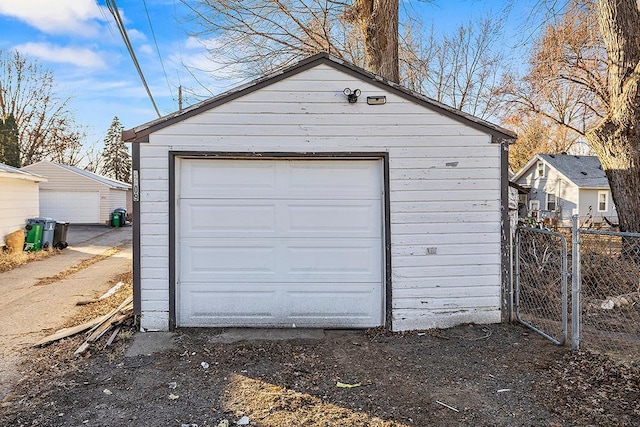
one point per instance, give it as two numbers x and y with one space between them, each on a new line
541 273
606 292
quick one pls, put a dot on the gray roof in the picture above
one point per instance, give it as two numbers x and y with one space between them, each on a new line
583 171
19 173
103 179
141 133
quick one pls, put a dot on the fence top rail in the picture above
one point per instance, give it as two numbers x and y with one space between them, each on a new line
609 233
540 230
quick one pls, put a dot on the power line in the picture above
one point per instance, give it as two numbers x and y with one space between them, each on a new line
155 40
113 8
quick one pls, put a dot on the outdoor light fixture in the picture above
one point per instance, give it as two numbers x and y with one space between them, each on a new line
352 97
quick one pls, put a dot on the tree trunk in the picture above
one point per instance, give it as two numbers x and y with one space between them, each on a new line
616 139
378 21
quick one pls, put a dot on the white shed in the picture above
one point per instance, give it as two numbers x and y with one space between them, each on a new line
283 204
18 199
79 196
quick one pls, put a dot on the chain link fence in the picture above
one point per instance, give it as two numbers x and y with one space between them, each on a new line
608 282
541 282
604 267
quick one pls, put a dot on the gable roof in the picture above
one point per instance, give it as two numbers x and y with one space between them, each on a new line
7 171
583 171
141 133
112 183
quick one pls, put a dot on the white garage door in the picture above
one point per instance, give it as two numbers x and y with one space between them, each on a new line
294 243
76 207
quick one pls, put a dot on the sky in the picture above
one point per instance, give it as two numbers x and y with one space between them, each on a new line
79 41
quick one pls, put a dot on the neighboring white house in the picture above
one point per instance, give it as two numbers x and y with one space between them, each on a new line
18 199
562 185
287 203
79 196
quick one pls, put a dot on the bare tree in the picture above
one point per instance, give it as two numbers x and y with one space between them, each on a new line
93 159
46 129
462 69
567 80
247 38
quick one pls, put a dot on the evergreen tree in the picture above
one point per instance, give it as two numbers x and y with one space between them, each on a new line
9 142
117 160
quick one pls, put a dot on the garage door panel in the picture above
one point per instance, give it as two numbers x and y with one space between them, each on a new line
332 180
206 260
333 301
235 304
228 178
337 258
211 217
352 218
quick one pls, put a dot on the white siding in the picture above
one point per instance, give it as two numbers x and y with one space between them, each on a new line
61 179
117 199
589 199
444 189
18 201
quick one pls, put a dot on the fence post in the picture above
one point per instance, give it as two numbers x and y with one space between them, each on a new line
576 285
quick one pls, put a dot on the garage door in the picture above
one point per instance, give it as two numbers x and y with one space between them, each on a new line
291 243
76 207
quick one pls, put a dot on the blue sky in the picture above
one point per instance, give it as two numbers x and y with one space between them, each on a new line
79 42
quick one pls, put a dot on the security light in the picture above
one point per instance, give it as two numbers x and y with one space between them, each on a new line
352 96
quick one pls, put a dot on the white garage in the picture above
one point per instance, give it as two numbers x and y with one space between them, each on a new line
280 243
286 203
78 196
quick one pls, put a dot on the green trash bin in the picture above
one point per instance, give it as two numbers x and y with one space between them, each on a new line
115 219
33 241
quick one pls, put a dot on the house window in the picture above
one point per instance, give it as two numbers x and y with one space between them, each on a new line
551 202
534 205
541 169
603 201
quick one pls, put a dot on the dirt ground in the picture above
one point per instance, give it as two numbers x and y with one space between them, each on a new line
472 375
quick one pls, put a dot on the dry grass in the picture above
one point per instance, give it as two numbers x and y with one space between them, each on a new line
99 308
11 260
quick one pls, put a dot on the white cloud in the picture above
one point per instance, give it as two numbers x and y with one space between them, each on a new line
197 43
57 16
81 57
135 34
146 49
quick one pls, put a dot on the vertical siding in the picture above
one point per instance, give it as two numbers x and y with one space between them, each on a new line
18 201
444 189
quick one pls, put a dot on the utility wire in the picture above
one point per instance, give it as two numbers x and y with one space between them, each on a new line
113 8
155 40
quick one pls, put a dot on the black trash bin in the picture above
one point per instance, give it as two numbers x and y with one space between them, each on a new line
123 215
60 235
